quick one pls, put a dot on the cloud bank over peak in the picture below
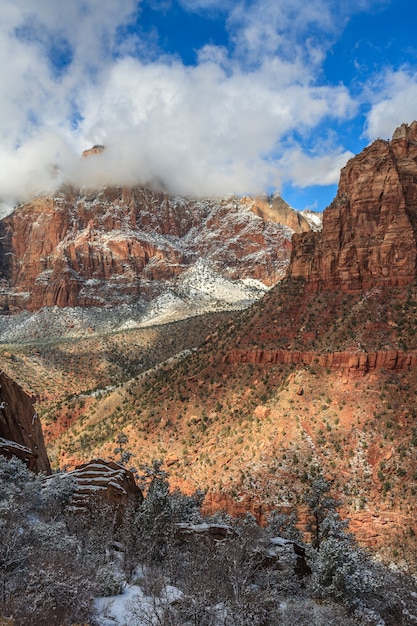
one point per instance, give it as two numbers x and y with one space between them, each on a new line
243 118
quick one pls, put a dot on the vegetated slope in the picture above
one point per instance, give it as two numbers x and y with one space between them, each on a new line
130 245
320 373
54 368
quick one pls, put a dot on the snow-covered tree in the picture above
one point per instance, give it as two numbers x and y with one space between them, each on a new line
121 450
44 578
341 570
160 511
346 573
284 525
56 494
319 504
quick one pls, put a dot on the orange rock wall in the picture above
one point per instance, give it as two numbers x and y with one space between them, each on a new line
351 361
370 230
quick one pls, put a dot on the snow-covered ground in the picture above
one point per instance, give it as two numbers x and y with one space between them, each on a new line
198 290
133 607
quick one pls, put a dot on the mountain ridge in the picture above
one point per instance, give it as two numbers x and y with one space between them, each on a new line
327 385
125 245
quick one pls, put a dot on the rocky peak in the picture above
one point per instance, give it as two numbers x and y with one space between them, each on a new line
369 231
118 245
96 149
277 210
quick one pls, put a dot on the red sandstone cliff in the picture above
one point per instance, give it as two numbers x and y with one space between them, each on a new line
370 230
359 361
20 428
118 244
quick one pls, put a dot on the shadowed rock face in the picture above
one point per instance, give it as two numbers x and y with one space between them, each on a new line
370 230
20 428
120 244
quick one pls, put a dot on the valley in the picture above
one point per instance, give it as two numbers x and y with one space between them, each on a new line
208 313
248 402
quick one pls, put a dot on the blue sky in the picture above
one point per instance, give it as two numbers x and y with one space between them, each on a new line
204 96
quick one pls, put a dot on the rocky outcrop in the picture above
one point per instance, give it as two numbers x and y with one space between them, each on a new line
100 480
369 234
276 210
217 532
351 361
20 428
97 149
268 555
120 244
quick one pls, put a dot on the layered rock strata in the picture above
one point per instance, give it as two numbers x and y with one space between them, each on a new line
369 231
351 361
100 480
120 244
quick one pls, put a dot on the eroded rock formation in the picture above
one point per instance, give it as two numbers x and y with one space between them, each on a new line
120 244
100 480
370 230
20 428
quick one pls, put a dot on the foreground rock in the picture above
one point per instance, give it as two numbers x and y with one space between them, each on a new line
20 429
100 480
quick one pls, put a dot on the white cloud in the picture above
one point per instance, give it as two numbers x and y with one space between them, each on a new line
199 129
221 126
304 170
290 28
31 34
393 101
29 170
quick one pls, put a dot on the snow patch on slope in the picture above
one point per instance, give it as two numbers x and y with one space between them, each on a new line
314 219
199 290
202 282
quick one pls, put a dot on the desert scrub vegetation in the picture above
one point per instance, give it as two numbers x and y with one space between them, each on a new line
220 570
58 366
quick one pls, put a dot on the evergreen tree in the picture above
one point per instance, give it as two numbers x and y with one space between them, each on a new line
319 504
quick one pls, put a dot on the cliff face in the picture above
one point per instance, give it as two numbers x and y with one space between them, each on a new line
347 361
120 244
370 230
20 428
279 211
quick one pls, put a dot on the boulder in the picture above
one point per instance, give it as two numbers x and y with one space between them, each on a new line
100 480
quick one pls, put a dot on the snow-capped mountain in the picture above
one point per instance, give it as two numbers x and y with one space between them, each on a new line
125 246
